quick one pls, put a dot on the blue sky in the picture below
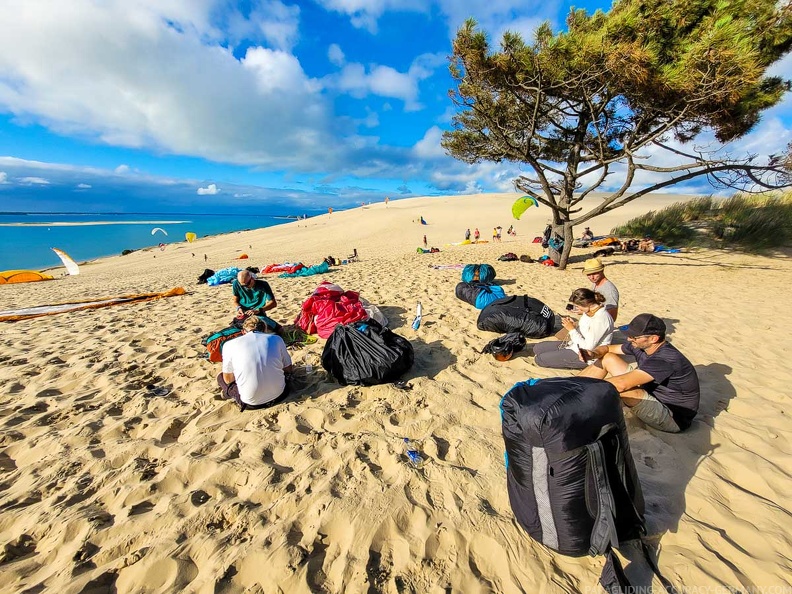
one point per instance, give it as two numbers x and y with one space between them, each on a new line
213 105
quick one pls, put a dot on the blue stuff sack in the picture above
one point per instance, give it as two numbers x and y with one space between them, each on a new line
484 272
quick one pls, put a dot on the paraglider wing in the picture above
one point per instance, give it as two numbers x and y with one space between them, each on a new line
190 237
523 204
155 229
71 265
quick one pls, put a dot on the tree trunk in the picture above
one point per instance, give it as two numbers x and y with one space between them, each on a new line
562 229
569 239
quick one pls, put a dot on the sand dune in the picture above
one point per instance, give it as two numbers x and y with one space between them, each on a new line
121 471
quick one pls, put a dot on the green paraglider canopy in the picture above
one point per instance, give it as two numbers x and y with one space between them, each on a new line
522 204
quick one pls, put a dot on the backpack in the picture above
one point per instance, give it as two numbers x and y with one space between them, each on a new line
570 477
206 274
365 353
508 257
484 272
214 342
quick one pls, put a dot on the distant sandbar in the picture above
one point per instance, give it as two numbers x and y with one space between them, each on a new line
87 223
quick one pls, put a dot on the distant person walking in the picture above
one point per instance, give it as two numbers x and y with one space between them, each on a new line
426 243
467 235
386 201
499 230
476 235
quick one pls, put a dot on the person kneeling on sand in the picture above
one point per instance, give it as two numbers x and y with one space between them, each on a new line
255 367
661 387
253 297
594 329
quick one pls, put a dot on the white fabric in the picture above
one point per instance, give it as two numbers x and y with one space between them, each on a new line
591 331
257 361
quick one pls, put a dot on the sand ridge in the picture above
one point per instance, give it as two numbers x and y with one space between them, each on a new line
121 471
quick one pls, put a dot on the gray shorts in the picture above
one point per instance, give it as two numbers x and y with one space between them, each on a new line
653 412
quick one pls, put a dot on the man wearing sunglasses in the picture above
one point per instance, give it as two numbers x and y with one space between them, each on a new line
661 387
253 297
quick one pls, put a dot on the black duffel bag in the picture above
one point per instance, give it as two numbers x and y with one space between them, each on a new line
365 353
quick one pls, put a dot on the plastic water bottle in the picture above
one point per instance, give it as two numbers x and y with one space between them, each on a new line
413 454
417 321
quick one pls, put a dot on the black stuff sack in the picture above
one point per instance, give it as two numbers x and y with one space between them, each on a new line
503 347
205 276
570 476
365 353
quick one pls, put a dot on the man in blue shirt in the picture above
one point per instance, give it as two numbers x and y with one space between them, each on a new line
661 387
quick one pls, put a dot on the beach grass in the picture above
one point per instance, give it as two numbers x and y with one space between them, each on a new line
749 222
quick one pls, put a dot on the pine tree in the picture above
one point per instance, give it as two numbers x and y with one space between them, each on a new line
581 107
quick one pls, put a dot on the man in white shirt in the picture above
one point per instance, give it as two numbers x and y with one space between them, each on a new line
255 367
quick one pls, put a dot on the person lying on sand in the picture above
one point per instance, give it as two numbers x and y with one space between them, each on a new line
255 367
661 387
253 297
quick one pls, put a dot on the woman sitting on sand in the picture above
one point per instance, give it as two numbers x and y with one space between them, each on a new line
594 329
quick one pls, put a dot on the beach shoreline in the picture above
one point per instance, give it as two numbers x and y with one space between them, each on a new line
121 469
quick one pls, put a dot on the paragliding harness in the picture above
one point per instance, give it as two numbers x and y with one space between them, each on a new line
556 242
570 475
546 236
508 257
214 343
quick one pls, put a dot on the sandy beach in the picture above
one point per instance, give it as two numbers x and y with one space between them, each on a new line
122 471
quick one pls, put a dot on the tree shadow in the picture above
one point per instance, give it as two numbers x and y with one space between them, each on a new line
666 462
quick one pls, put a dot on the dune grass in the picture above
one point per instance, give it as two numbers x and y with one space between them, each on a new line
746 221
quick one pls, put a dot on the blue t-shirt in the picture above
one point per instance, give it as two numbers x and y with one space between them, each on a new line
675 382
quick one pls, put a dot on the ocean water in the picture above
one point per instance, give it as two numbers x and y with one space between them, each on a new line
26 239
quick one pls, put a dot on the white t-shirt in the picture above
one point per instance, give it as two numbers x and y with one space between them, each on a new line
591 332
257 361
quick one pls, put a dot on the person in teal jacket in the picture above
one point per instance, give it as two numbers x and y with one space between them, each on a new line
254 297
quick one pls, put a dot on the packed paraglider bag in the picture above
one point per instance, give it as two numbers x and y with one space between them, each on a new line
518 313
479 295
478 272
570 477
365 353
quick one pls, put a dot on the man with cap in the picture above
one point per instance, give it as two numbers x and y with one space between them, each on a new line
661 387
594 269
253 297
255 367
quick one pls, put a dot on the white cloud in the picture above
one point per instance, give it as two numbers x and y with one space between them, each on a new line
84 186
210 190
33 181
3 177
336 55
159 75
385 81
122 169
429 146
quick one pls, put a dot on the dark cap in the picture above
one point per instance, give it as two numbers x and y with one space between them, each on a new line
644 324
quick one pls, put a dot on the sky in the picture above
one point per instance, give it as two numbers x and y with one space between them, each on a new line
221 106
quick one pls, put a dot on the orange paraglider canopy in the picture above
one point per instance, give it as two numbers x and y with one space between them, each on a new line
8 277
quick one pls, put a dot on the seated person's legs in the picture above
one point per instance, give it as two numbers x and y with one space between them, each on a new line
548 354
611 364
650 410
